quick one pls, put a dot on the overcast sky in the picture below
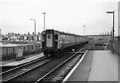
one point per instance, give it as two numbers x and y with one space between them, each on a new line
64 15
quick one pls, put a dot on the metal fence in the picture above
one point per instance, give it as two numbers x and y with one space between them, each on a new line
116 47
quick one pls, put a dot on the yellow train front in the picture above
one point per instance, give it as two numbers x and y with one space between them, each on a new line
53 41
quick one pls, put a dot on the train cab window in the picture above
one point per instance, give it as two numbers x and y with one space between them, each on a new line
56 36
49 36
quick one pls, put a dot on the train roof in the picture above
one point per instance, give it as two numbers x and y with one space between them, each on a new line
63 33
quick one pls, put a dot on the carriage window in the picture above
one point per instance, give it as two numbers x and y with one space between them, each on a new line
56 36
49 36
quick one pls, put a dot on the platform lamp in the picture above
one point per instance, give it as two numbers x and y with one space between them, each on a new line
34 28
0 35
44 20
112 12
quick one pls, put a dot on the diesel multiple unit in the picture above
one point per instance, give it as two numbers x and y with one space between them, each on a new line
54 41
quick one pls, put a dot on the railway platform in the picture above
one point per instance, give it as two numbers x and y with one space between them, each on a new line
27 59
98 65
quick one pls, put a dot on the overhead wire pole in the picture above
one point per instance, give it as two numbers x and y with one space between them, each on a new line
112 12
34 28
44 20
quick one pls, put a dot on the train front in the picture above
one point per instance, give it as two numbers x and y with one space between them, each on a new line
49 45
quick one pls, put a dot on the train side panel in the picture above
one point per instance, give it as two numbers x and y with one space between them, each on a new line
66 41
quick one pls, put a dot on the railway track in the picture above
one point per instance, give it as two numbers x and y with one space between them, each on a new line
22 69
60 71
42 71
8 69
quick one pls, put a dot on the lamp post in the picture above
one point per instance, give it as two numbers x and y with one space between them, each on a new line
0 35
44 20
112 12
34 28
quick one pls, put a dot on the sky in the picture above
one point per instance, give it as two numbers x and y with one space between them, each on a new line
119 18
83 17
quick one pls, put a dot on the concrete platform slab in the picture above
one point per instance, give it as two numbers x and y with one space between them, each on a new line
97 67
81 73
104 66
16 63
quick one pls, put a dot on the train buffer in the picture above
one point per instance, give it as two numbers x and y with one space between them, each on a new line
20 62
98 65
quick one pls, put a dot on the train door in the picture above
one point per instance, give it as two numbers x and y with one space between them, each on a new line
56 41
49 40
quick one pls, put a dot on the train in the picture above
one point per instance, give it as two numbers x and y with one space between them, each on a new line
54 42
10 51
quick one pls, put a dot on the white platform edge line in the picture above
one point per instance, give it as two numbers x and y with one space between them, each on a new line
70 73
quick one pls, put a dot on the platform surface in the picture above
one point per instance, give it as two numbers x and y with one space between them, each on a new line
99 65
104 66
27 59
81 73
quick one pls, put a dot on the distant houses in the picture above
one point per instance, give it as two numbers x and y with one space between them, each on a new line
21 37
